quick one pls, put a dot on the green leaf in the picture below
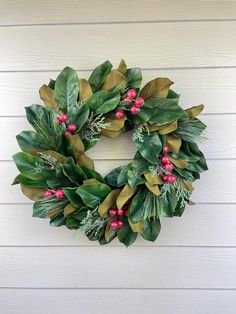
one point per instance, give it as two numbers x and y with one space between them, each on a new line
27 165
73 197
118 176
164 110
133 181
41 208
150 147
143 206
35 113
30 183
103 101
126 234
67 89
134 77
167 204
151 230
93 194
28 141
140 165
56 178
78 115
74 172
58 221
92 174
99 74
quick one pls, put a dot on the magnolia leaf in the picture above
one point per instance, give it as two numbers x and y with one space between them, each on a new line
109 202
171 127
153 180
134 77
99 74
173 143
76 144
158 87
29 141
93 194
109 233
137 227
78 115
182 164
194 111
84 160
122 67
85 90
42 208
126 235
111 134
151 230
73 197
48 97
114 81
104 101
59 157
32 193
66 89
124 196
29 183
68 210
153 188
150 147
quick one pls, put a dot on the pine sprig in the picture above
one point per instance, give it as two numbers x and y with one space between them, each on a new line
190 130
50 135
94 127
91 224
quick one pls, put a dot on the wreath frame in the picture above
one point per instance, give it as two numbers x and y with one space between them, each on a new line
60 178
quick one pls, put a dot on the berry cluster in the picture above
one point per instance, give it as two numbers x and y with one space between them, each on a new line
130 99
57 193
116 222
165 160
71 128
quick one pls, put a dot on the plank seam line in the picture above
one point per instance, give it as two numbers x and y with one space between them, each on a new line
143 69
119 22
114 288
69 246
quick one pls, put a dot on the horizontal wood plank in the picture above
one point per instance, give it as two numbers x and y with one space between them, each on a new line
212 187
201 225
119 302
49 12
149 267
219 143
208 86
53 47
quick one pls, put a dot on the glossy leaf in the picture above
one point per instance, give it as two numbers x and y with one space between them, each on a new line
103 101
41 208
99 74
78 115
93 194
29 141
134 77
150 147
151 230
66 89
126 234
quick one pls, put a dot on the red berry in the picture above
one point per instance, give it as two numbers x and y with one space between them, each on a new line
132 93
71 128
120 211
67 132
58 121
119 114
126 212
48 193
63 117
139 102
165 149
165 178
114 224
112 212
165 160
134 110
119 223
171 178
59 194
169 167
128 100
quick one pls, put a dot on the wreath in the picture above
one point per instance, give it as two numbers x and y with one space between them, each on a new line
56 173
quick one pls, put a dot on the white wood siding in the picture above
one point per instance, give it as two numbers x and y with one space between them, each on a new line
191 268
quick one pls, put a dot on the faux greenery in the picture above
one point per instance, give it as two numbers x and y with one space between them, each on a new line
56 173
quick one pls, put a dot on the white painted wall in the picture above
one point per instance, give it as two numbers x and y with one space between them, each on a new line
191 268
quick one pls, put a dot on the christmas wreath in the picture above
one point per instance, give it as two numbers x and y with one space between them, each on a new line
56 173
